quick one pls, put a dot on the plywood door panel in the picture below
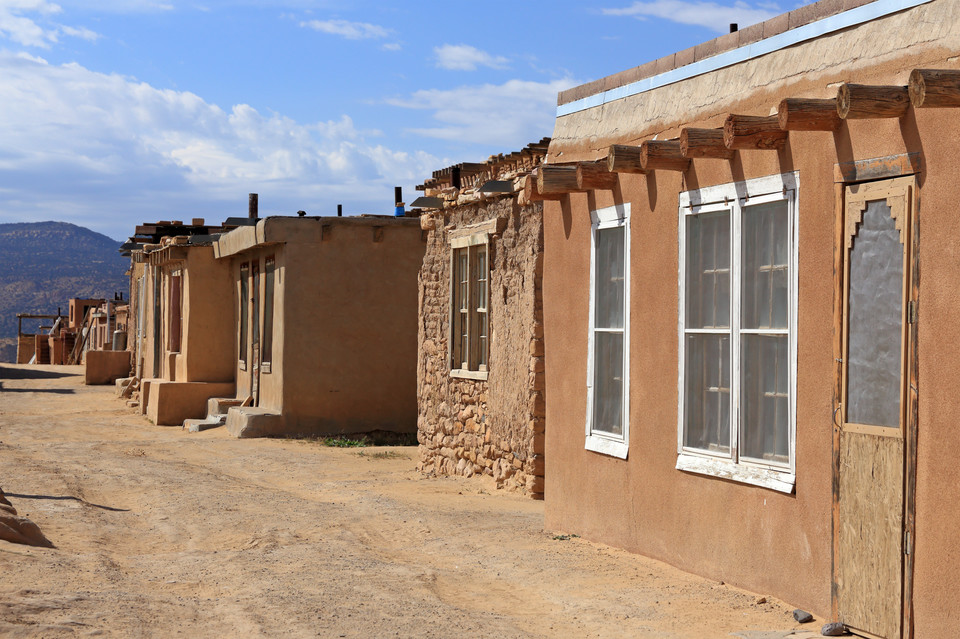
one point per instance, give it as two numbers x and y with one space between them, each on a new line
871 533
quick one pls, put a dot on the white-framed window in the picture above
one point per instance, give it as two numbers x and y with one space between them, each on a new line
608 355
469 297
738 331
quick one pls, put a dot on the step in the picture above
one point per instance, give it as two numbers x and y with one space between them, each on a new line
199 425
220 405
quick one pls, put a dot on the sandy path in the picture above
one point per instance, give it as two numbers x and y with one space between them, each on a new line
161 533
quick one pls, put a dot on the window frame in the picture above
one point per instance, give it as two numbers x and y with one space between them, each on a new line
474 370
175 309
599 441
269 302
243 315
735 197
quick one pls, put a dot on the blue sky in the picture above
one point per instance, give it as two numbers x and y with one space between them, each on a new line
117 112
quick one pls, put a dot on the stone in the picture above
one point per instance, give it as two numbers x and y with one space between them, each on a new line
760 600
802 616
833 629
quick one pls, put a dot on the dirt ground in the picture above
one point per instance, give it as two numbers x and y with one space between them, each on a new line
164 533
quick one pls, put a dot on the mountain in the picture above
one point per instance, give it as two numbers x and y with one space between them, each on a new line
43 264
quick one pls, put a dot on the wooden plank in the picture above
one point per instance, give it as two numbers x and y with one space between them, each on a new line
864 101
934 88
876 168
838 355
871 533
913 419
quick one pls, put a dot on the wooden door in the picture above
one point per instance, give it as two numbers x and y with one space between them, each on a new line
877 346
255 336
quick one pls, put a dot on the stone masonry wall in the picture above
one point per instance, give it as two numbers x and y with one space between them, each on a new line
494 427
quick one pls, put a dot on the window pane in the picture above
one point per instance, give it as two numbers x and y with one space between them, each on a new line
608 383
875 321
764 397
765 290
708 270
707 393
609 278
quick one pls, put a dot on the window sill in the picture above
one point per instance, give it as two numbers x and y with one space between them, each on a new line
265 367
242 365
606 446
780 481
465 374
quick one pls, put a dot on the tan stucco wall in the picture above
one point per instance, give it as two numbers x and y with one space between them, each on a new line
105 367
755 538
345 321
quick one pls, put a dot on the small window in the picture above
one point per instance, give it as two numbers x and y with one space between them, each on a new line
470 317
609 348
268 283
175 304
738 285
243 312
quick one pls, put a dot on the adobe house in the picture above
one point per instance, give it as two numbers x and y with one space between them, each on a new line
323 323
184 348
750 373
480 364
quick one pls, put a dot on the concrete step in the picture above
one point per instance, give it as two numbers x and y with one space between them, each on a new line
198 425
220 405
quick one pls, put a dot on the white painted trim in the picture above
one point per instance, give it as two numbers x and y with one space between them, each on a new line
811 31
733 197
464 373
783 482
600 442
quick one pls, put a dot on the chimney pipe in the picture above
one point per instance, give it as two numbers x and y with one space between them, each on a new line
733 27
398 200
253 207
339 210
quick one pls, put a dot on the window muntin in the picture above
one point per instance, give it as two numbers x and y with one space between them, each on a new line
607 428
243 311
738 328
269 274
470 296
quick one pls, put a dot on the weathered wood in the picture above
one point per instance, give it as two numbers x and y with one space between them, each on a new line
623 158
913 416
839 248
595 175
801 114
934 88
530 191
704 143
871 169
663 155
557 179
864 101
761 132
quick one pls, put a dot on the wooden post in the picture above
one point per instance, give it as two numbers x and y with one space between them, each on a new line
704 143
595 175
663 155
530 191
863 101
622 158
753 132
934 88
801 114
553 178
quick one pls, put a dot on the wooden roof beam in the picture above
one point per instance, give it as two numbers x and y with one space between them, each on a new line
663 155
864 101
801 114
753 132
557 178
595 175
624 158
704 143
531 191
934 88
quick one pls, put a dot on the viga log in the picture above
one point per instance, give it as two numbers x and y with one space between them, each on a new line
19 530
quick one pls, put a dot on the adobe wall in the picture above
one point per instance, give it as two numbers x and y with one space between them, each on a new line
493 426
752 537
209 340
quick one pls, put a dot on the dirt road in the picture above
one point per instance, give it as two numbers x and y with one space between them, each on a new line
163 533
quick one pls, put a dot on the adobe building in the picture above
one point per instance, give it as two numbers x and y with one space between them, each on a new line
183 349
480 369
324 324
749 369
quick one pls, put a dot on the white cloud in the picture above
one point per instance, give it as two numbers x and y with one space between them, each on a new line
347 29
28 31
508 115
392 46
463 57
107 151
704 14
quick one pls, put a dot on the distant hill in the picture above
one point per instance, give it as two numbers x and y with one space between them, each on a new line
43 264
